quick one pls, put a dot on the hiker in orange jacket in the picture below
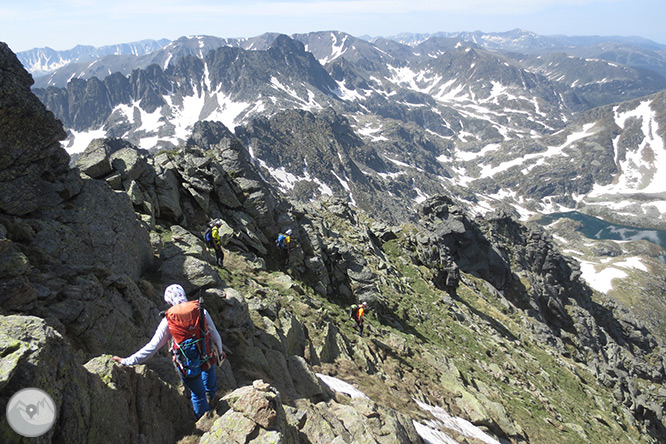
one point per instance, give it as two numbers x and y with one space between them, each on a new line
196 348
357 315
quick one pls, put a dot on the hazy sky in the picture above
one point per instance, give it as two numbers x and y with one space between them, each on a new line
27 24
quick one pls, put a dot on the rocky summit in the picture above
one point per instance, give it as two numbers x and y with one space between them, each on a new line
479 329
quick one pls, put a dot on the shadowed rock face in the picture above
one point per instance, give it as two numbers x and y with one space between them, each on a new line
35 171
449 240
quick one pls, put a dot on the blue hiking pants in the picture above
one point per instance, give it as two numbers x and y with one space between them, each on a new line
202 385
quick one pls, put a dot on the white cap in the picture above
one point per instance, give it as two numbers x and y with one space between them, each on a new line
174 294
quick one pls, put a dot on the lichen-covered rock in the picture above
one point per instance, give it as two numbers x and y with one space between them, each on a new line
306 383
97 403
155 410
333 346
359 421
255 415
191 271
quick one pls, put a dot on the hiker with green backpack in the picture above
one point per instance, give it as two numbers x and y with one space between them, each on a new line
197 346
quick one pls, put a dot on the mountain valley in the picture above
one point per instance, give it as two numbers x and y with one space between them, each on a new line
413 171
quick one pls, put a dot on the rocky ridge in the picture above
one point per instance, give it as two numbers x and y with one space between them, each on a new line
483 317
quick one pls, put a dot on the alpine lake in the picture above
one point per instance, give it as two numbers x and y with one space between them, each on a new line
595 228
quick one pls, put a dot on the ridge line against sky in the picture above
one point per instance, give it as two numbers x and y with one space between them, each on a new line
63 24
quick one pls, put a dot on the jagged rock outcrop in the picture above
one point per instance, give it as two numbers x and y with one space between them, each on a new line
450 241
35 169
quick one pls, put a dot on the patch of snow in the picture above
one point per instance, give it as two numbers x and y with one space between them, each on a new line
148 142
660 205
549 206
347 94
632 262
402 164
429 131
602 280
448 93
539 158
323 188
337 50
537 108
309 104
420 81
460 425
341 386
369 132
391 175
431 435
571 138
344 183
497 90
429 431
285 179
228 111
166 62
150 121
184 117
467 156
420 196
78 141
641 166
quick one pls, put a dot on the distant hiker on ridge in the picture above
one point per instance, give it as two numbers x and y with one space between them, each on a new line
356 312
213 239
197 346
283 243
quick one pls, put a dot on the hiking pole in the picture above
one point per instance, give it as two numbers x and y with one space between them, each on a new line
202 316
202 326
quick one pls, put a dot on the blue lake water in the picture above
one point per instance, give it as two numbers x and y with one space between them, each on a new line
596 228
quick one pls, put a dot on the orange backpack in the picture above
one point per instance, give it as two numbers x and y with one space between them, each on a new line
186 323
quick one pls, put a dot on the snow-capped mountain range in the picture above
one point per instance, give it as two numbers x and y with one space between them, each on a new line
390 122
42 61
